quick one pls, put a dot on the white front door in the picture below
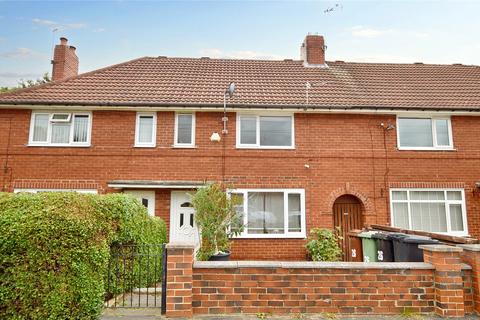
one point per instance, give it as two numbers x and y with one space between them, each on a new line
146 197
182 219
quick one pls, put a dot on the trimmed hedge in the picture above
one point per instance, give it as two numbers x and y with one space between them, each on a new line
55 248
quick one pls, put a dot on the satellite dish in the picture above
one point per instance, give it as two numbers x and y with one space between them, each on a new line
230 89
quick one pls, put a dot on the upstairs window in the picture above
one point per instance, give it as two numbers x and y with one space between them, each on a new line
424 133
432 210
269 132
60 129
146 130
184 130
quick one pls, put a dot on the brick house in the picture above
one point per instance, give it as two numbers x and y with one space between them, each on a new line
309 143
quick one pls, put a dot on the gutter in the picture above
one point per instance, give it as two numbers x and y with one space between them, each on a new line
236 107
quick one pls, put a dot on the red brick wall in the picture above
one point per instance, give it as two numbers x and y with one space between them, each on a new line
443 285
312 290
65 62
345 152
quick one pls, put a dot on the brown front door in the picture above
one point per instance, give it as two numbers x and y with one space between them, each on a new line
347 215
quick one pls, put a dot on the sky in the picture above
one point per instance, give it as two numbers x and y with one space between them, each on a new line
110 32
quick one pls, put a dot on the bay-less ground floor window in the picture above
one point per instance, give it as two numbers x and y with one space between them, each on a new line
271 213
432 210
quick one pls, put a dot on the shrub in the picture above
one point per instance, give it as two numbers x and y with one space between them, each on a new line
55 247
323 245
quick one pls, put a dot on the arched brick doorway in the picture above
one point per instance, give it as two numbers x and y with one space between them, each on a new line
347 215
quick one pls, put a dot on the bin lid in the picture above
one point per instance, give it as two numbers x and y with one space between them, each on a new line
381 236
420 240
396 235
367 234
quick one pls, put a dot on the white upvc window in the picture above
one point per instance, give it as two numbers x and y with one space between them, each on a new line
271 213
431 210
91 191
60 129
184 130
265 131
420 133
146 129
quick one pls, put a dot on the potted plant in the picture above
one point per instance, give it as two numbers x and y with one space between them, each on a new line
217 221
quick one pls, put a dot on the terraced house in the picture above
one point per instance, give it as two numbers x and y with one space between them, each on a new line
306 143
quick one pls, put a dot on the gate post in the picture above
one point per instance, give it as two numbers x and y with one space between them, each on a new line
448 282
179 279
471 256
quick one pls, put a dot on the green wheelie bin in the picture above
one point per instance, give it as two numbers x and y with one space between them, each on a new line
369 246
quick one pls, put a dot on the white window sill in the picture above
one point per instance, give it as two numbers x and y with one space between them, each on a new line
179 146
271 236
60 145
265 147
144 146
425 149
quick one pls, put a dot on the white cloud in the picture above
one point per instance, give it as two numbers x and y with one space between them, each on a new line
384 58
23 53
239 54
369 32
366 32
99 30
44 22
11 79
56 25
18 75
75 25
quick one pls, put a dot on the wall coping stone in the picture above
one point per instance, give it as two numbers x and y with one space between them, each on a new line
310 265
179 245
470 247
440 248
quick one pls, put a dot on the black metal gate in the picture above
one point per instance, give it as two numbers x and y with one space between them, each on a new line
136 276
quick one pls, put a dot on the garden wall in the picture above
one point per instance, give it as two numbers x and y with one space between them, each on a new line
444 284
312 288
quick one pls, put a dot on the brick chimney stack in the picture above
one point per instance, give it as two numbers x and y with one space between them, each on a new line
65 61
313 51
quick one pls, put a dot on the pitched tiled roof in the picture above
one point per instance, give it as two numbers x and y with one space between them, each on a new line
186 81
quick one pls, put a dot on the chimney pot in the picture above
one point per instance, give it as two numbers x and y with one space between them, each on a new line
65 61
313 51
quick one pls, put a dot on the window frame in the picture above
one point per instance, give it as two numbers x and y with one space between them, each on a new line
175 135
286 234
434 133
257 145
447 208
71 120
69 117
139 144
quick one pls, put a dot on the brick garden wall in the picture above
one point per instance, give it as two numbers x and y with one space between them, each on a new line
296 288
347 154
444 285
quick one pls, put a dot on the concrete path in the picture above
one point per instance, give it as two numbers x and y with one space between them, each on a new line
154 313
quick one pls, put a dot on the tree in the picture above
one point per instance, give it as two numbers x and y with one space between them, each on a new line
216 218
30 83
27 83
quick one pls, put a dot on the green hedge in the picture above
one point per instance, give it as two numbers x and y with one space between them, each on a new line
55 248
